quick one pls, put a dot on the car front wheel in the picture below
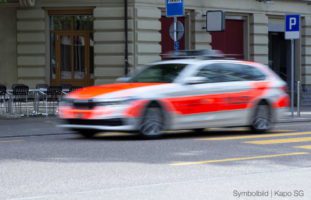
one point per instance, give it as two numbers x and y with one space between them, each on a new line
152 122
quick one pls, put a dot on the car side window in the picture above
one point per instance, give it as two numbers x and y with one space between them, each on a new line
227 72
210 73
219 72
252 74
162 73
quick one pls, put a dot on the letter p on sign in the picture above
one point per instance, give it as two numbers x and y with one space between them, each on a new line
292 22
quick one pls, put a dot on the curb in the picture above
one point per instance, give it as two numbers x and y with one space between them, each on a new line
293 120
33 135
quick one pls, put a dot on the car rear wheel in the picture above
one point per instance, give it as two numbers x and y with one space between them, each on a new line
262 121
152 122
86 133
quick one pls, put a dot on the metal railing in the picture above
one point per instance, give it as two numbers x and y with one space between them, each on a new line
38 102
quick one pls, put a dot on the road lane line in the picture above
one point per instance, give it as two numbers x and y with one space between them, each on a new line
304 147
238 159
280 141
219 138
10 141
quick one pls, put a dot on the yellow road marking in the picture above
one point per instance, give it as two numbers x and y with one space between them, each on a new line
219 138
9 141
280 131
304 147
238 159
280 141
242 129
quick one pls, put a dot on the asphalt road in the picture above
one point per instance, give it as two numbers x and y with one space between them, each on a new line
40 161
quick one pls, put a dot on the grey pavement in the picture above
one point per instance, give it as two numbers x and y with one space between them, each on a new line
206 189
25 126
66 167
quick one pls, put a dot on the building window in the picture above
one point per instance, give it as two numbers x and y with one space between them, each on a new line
71 48
77 22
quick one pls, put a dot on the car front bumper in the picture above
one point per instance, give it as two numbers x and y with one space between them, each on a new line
109 124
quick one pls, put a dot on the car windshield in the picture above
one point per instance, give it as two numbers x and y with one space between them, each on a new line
160 73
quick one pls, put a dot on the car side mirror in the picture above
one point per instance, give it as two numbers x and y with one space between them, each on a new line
123 79
194 80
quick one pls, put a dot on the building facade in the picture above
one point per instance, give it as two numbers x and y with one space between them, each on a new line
86 42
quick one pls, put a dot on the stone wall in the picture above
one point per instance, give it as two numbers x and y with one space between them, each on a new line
259 38
31 64
31 46
8 68
109 39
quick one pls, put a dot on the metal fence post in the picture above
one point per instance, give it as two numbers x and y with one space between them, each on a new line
298 98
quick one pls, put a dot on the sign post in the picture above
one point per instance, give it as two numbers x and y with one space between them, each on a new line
176 43
175 8
292 32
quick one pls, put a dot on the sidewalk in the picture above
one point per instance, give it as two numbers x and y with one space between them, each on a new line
304 117
30 126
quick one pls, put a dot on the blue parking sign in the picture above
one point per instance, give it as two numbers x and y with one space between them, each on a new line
174 8
292 26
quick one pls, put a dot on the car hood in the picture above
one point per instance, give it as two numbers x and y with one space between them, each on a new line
119 89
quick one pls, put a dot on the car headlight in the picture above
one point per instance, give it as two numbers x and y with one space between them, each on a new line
116 101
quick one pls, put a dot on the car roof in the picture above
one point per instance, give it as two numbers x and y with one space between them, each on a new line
199 62
207 61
